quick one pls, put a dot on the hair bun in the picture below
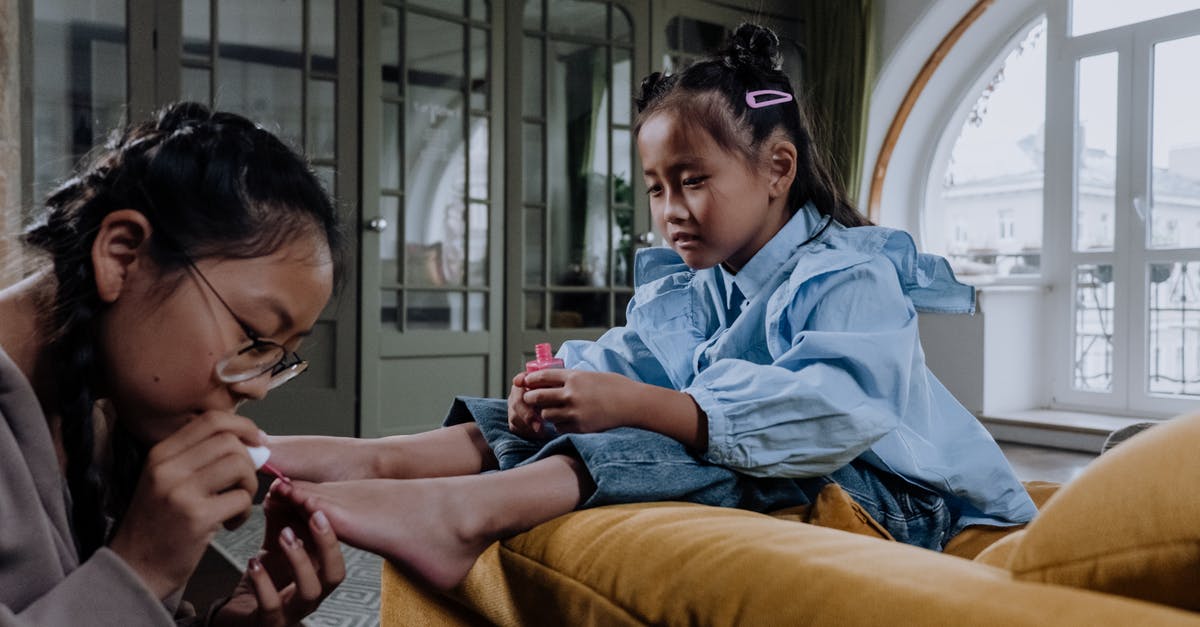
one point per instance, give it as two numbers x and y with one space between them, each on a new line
182 115
755 46
653 86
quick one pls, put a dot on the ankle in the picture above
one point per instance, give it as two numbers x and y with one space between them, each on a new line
386 458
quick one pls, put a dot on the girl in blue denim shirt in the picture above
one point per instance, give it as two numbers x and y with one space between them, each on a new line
770 351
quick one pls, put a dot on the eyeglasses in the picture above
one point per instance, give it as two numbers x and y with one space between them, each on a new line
260 357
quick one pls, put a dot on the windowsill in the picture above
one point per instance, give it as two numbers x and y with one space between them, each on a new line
1072 430
1061 420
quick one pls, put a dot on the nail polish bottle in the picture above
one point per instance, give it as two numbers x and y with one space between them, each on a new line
545 359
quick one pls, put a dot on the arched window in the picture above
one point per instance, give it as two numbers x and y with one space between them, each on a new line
1074 161
984 200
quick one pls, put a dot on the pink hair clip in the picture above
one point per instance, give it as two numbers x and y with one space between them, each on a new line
753 102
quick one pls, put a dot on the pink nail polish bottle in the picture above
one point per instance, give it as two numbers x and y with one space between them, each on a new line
545 359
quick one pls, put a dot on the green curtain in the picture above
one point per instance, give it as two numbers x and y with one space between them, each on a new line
839 69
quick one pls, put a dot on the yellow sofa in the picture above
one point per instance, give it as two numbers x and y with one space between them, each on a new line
1119 545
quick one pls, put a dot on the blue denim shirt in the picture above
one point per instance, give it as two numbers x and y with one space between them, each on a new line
823 364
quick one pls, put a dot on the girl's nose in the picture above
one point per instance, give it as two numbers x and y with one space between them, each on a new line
674 211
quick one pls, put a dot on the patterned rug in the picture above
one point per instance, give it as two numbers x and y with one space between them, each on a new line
355 603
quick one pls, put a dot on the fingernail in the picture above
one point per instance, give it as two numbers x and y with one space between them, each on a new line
289 537
263 438
254 565
321 521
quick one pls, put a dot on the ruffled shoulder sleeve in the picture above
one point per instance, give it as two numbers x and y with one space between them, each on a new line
926 279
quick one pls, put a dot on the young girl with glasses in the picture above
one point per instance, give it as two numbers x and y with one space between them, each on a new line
183 265
771 351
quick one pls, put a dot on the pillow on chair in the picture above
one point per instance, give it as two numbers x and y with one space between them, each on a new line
1128 525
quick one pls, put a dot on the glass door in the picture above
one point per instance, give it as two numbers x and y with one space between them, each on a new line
431 313
574 225
288 65
1127 135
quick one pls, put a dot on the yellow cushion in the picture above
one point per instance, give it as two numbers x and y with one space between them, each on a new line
1129 525
684 564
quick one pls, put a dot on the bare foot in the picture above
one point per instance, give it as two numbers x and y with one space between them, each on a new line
437 527
324 458
420 524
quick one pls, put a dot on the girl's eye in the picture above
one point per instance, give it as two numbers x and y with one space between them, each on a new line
653 190
694 181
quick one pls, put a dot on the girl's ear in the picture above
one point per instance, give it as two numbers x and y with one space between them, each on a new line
782 168
121 242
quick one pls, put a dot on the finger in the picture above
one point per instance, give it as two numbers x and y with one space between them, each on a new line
545 397
201 428
226 506
270 608
550 377
308 586
217 445
332 566
518 379
231 471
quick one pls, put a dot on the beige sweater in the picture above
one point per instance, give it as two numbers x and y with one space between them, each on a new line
41 579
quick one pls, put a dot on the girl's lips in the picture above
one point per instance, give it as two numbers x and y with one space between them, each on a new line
684 239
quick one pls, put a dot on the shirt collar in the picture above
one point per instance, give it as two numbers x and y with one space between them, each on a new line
763 265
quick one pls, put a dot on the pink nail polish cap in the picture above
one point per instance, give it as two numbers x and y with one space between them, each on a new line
545 359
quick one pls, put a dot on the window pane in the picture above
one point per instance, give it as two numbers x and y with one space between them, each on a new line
389 146
588 18
532 19
261 76
622 28
389 51
434 311
531 77
531 164
622 98
389 246
534 247
480 56
577 164
322 33
435 154
197 24
1093 328
1174 212
989 212
1174 329
477 245
534 316
476 311
1096 164
479 147
1089 16
322 116
579 309
78 82
622 305
194 85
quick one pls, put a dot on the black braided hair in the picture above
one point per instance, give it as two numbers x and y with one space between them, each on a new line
710 94
211 184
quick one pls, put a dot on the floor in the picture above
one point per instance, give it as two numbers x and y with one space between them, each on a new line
1045 464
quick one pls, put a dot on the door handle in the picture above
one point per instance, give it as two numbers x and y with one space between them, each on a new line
378 224
644 240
